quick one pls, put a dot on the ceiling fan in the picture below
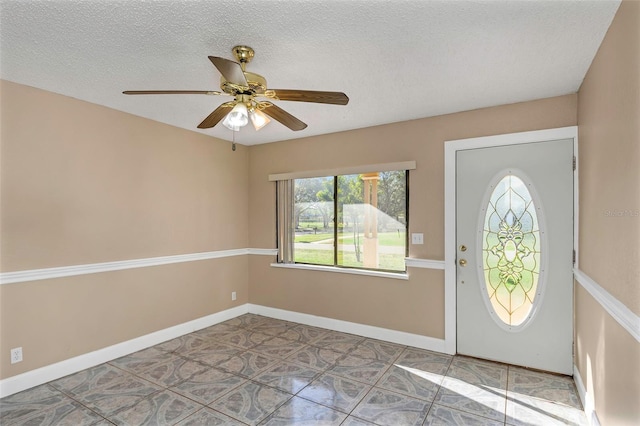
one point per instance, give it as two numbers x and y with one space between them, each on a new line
251 96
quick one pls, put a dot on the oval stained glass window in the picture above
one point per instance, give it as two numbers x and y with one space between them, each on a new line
511 251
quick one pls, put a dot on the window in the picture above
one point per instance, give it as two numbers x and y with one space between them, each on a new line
350 221
511 251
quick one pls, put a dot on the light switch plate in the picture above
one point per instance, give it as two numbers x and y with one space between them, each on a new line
417 238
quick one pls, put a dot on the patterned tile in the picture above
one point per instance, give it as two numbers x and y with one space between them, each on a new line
411 382
117 396
251 402
214 353
293 335
182 344
244 338
317 358
445 416
338 377
278 347
340 342
209 417
304 333
354 421
431 362
271 328
274 322
66 412
298 411
525 410
70 413
335 392
163 408
245 321
247 364
379 350
140 361
287 377
29 403
215 331
208 386
89 379
472 398
552 387
360 369
480 372
173 372
388 408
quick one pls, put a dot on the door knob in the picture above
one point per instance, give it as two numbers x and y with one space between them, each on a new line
463 262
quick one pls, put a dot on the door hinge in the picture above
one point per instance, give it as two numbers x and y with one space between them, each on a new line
574 257
574 163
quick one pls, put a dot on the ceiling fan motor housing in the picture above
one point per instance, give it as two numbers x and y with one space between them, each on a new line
244 54
256 84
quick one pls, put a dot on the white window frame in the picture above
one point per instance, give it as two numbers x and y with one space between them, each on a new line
290 176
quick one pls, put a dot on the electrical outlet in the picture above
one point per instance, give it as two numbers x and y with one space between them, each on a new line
16 355
233 295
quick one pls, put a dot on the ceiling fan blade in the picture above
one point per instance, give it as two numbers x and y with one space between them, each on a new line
172 92
283 116
215 117
231 71
335 98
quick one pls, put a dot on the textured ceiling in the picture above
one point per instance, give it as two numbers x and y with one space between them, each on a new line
396 59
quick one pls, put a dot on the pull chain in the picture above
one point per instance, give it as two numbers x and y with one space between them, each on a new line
233 144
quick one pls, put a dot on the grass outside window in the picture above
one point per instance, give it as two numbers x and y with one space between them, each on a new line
353 221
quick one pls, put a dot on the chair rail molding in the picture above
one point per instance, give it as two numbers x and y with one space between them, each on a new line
94 268
412 262
618 311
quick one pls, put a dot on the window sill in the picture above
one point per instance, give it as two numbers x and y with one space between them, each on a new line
380 274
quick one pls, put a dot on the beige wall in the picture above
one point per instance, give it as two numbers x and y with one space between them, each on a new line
414 306
81 183
609 147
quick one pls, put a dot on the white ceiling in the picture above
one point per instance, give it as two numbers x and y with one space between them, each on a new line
396 59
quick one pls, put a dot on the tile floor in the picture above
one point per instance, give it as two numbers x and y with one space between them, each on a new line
258 370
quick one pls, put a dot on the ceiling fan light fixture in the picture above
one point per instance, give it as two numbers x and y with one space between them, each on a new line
230 127
258 118
238 117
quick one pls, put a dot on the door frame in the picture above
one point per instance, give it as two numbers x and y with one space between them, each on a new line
451 148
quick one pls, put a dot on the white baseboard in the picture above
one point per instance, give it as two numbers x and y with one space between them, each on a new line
394 336
60 369
586 398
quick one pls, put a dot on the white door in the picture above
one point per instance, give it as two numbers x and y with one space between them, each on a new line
514 233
